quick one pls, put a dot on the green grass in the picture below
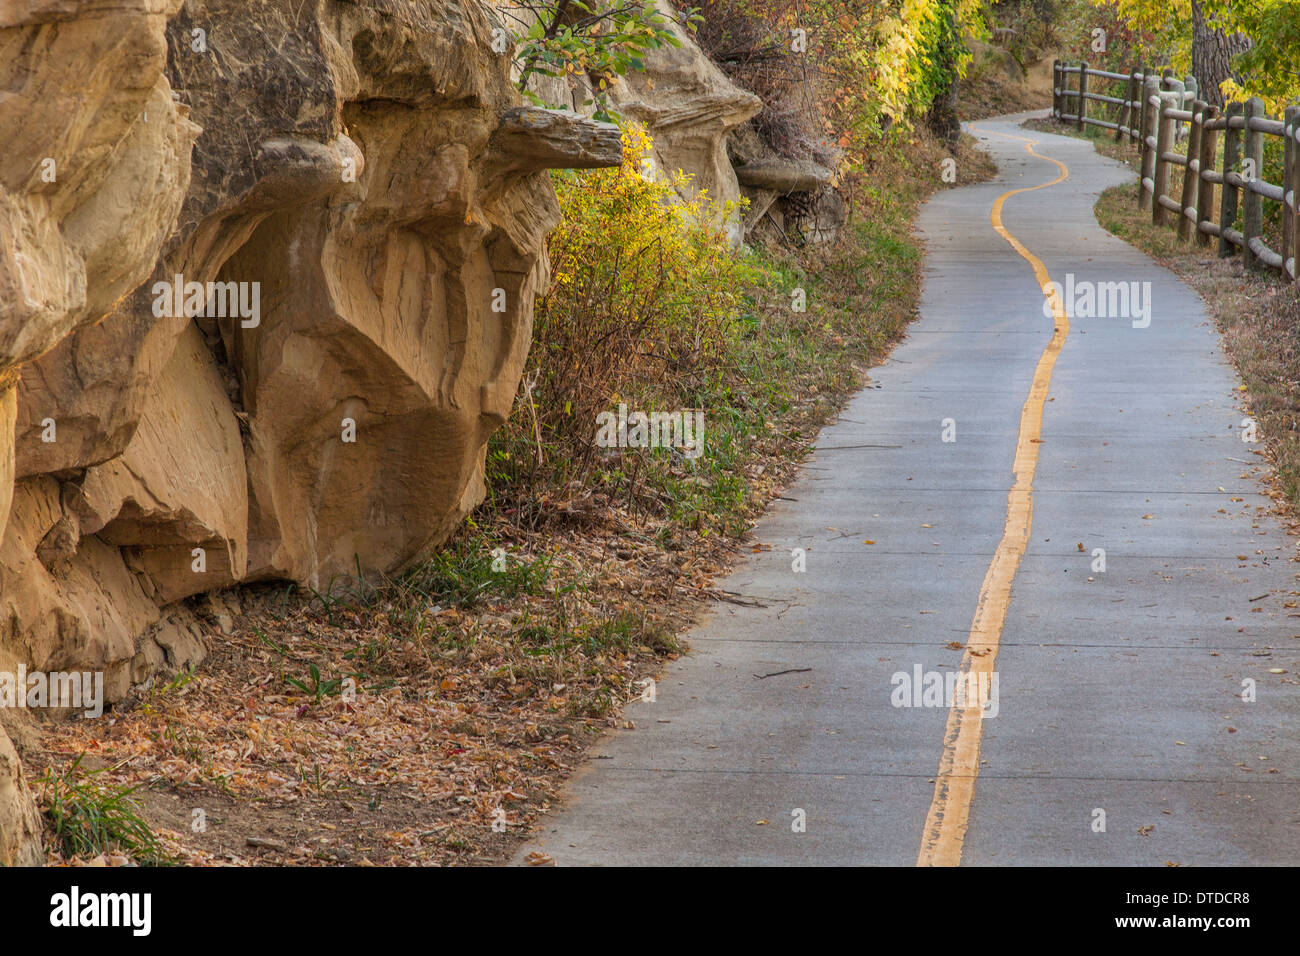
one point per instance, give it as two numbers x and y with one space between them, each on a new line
622 634
469 572
89 818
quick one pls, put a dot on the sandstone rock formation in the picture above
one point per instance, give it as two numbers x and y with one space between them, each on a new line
688 106
783 192
686 103
267 272
19 822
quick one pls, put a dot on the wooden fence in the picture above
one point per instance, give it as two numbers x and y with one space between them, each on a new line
1154 114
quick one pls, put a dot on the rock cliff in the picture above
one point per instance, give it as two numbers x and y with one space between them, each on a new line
266 285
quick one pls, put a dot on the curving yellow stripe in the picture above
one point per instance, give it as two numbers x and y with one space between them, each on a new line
954 787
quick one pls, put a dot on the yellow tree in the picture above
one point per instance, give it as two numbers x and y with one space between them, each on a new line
1234 47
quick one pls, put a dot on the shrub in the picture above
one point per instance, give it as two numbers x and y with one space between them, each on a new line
645 298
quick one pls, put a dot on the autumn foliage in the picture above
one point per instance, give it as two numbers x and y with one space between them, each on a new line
644 302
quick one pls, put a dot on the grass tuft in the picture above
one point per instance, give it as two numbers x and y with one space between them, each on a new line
89 817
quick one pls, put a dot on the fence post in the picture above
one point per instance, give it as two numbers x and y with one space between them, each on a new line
1142 118
1295 188
1122 119
1231 157
1150 88
1205 194
1176 87
1252 203
1189 91
1187 228
1164 140
1056 89
1129 114
1291 165
1083 93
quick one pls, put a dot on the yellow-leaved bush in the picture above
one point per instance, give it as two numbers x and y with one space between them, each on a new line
643 308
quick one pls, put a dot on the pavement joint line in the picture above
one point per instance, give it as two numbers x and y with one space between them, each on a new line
1268 780
1037 555
1032 645
1077 491
954 785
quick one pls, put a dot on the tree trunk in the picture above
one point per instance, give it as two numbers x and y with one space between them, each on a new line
942 115
1212 53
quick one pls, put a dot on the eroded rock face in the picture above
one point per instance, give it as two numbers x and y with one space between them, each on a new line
699 123
19 822
362 201
688 106
786 193
685 102
92 179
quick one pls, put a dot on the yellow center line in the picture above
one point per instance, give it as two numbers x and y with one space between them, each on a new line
954 786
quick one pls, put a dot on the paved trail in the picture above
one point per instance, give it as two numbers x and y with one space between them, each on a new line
1117 690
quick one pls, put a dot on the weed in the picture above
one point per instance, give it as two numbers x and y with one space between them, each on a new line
468 572
89 818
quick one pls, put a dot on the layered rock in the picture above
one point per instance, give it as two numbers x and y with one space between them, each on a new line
267 271
19 822
784 192
359 200
686 103
689 106
91 183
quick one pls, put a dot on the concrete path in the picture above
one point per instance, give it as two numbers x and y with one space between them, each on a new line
1118 691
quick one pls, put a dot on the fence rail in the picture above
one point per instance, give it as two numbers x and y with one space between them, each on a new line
1158 111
